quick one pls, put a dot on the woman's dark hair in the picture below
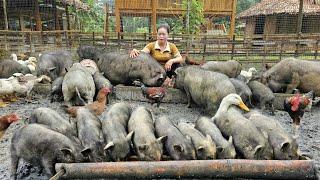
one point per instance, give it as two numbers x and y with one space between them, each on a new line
165 26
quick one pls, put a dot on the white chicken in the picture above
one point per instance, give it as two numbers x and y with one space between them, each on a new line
248 74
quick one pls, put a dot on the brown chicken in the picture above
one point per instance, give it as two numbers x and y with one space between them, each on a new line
6 120
155 94
190 61
97 107
296 106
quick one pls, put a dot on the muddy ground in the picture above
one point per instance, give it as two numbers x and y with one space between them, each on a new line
309 141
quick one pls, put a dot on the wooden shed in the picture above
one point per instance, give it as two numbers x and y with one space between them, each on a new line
37 15
172 8
280 17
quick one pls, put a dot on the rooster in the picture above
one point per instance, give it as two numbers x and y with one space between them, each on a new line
154 94
189 61
97 107
6 120
296 106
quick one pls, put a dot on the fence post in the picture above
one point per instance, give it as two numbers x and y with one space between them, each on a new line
232 45
316 50
30 39
204 47
93 38
5 41
118 40
219 50
297 45
145 39
173 38
66 39
281 47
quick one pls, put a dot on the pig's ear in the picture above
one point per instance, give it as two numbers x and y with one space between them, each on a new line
178 70
51 69
109 145
200 149
220 149
129 136
258 149
188 138
230 140
86 152
178 148
162 139
142 147
66 151
285 146
209 139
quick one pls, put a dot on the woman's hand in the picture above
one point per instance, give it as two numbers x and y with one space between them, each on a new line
134 53
168 65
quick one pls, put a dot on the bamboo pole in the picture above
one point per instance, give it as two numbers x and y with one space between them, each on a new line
5 15
300 17
233 19
106 24
154 17
37 16
67 16
117 13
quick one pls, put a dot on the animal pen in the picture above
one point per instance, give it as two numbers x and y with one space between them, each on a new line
36 26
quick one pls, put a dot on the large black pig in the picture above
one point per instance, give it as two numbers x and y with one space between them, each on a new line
37 144
89 52
204 88
121 69
54 64
9 67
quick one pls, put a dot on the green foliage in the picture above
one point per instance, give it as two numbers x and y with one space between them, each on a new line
92 20
196 17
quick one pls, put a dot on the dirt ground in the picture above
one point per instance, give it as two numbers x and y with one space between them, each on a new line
309 140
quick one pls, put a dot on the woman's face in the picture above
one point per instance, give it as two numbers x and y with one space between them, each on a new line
162 35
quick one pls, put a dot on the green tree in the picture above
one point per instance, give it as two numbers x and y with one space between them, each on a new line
196 17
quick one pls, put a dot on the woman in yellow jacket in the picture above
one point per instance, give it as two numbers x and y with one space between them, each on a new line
164 52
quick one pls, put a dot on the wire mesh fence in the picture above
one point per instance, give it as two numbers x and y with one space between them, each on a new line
266 31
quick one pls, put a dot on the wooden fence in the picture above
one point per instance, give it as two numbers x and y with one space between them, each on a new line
206 47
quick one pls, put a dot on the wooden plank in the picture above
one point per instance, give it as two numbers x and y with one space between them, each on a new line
154 17
37 16
5 15
233 19
117 12
106 24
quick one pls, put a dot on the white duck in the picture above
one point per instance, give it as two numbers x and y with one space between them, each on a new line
248 74
249 141
229 100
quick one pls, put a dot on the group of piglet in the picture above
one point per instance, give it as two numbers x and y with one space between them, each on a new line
122 133
116 135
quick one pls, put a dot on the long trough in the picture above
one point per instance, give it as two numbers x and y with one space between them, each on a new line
195 169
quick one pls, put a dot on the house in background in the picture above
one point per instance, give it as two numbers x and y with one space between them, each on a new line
37 15
280 17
